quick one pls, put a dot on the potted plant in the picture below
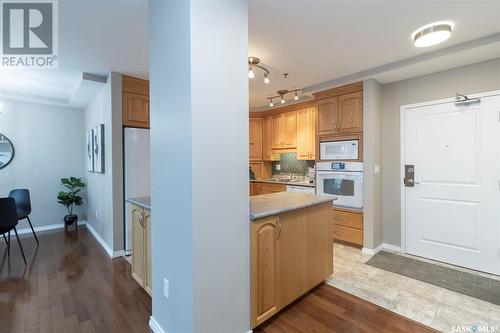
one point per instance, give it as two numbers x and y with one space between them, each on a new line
70 199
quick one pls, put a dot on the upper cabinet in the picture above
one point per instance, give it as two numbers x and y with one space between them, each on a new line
255 139
306 134
327 116
284 130
135 102
340 110
267 137
350 111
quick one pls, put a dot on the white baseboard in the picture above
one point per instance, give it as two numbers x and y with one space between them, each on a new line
392 248
45 227
383 246
154 326
371 252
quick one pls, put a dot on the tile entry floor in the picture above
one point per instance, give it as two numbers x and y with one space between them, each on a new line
436 307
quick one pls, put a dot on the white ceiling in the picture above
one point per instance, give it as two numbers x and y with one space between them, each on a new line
95 36
320 41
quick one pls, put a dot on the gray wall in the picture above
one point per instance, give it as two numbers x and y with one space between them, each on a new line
372 124
105 190
49 143
200 227
466 80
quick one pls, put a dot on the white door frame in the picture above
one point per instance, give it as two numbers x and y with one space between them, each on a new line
403 109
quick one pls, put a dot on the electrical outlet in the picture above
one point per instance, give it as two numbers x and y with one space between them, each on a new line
278 167
166 288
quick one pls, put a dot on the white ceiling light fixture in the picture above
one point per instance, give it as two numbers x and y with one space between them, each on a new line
432 34
253 62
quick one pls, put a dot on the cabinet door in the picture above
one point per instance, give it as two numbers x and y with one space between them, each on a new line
327 116
305 134
264 270
135 110
147 253
313 133
292 260
277 131
255 139
138 268
267 133
290 129
258 169
350 111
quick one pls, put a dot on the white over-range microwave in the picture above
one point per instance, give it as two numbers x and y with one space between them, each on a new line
339 150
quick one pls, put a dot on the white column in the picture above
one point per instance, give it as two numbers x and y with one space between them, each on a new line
199 152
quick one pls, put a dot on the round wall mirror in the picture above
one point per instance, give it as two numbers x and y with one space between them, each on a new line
6 151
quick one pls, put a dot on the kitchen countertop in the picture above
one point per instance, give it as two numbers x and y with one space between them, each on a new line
276 203
304 183
143 202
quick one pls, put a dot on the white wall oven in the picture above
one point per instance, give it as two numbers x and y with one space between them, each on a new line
342 179
339 150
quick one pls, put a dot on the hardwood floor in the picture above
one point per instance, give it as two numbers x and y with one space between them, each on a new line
69 285
328 309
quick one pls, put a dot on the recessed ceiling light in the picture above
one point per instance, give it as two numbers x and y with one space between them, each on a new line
432 34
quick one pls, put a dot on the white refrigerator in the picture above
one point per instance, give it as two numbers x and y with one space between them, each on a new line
137 157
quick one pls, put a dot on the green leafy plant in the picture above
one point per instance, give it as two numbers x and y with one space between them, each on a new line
70 199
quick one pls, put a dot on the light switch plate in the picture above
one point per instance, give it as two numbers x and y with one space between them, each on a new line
278 167
376 169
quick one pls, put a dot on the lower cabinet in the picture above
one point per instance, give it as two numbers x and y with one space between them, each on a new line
348 226
255 188
272 188
141 247
291 253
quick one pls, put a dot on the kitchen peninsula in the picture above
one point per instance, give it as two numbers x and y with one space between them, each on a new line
291 249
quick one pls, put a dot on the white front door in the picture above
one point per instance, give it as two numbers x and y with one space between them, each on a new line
452 214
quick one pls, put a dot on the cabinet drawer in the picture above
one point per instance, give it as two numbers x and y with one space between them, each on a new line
347 234
347 219
272 188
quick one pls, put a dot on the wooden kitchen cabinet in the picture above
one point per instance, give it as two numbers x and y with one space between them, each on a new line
290 254
284 130
255 132
347 226
258 169
350 110
340 110
264 269
272 188
255 188
267 134
306 134
141 247
135 102
327 116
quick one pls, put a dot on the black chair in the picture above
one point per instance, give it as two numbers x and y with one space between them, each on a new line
23 206
8 222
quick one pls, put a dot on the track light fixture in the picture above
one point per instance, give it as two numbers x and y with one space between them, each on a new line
282 93
253 62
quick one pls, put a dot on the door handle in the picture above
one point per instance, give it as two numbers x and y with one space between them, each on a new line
409 180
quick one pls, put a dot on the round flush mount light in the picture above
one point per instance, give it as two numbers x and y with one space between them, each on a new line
432 34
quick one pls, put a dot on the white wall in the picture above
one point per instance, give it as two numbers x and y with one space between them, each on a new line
372 123
49 144
105 191
466 80
199 114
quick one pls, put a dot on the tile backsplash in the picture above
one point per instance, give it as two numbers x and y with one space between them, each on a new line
290 164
